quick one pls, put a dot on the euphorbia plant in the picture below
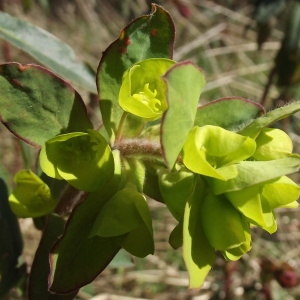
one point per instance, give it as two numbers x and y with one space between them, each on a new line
220 168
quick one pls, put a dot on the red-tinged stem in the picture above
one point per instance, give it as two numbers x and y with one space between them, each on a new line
121 127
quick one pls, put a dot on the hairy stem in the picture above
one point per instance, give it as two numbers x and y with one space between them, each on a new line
138 146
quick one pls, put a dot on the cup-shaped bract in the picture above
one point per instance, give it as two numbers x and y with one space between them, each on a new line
272 144
143 92
282 192
84 160
257 203
255 208
32 197
212 151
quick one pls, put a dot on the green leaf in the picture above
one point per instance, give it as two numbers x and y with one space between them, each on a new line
127 213
139 242
84 160
231 113
148 36
176 236
255 127
76 258
254 172
11 244
120 214
32 197
237 252
151 185
198 254
222 223
135 172
38 280
36 105
46 49
176 187
121 260
184 84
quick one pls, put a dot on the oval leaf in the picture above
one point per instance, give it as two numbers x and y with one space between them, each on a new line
254 128
184 84
119 215
230 113
36 105
254 172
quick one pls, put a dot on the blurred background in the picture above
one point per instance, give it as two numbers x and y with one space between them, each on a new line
249 49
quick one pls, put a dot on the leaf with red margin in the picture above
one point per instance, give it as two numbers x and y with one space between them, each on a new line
231 113
38 280
36 105
184 84
148 36
76 258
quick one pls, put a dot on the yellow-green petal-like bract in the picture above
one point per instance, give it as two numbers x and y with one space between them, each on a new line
32 197
212 151
272 144
143 92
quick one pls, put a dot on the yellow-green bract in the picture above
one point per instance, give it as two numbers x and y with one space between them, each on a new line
271 144
143 92
212 151
32 197
84 160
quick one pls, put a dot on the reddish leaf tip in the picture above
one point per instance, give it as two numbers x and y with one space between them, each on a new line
23 67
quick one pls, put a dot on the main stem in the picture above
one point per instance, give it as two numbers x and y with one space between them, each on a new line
138 147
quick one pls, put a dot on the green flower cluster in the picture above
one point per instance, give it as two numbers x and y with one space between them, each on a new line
242 182
222 182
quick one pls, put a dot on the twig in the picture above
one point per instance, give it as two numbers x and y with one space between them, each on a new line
268 85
